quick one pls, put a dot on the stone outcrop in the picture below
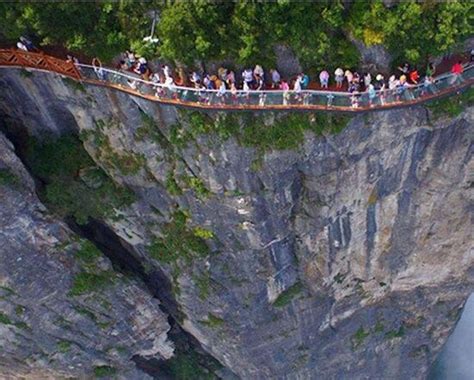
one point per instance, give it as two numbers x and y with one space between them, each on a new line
45 331
349 257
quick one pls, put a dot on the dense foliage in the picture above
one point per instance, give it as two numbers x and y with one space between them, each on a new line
74 185
245 31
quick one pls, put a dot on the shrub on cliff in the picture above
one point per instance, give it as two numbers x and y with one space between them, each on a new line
58 162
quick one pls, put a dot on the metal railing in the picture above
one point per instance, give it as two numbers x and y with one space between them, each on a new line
38 61
240 100
274 99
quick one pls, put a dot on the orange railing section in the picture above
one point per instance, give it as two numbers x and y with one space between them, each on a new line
39 61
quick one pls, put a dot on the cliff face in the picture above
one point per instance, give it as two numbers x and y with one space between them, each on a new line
48 327
349 256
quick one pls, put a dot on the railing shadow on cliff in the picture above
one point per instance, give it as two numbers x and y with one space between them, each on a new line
273 100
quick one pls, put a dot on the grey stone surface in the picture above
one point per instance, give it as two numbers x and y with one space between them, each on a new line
374 223
45 332
374 58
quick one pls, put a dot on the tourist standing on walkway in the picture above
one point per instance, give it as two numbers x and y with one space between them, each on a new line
457 70
372 93
349 76
405 68
230 78
304 81
28 44
258 70
247 77
221 92
367 80
20 45
414 76
324 79
286 91
259 82
276 78
428 86
339 75
430 70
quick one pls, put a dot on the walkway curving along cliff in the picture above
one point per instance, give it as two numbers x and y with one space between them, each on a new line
306 100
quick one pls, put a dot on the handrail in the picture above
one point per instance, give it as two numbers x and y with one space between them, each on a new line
240 100
40 61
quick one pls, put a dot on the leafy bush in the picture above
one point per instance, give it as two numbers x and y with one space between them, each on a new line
8 178
104 370
88 252
213 321
287 295
59 163
86 282
198 186
203 283
64 346
395 333
359 337
171 185
178 241
453 105
203 233
5 320
196 31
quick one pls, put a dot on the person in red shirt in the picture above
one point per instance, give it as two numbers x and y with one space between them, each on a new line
457 68
457 71
414 76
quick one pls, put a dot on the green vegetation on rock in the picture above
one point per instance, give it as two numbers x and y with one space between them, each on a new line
453 105
87 282
359 337
5 320
186 365
172 186
197 185
91 277
104 371
253 130
203 284
411 30
8 178
88 253
64 346
74 185
74 84
288 295
212 321
125 162
395 333
178 242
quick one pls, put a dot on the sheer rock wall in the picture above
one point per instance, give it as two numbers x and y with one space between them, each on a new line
45 331
350 257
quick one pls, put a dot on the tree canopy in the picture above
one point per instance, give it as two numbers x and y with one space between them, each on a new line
244 31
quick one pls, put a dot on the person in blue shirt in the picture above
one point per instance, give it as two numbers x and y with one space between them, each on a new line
304 81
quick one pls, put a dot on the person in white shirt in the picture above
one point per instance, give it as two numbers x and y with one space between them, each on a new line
339 75
21 46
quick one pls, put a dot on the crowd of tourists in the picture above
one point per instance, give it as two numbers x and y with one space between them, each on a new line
229 86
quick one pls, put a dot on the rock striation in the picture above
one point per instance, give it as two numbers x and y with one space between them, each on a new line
350 256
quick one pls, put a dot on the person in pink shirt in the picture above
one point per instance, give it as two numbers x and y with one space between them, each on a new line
324 79
285 88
